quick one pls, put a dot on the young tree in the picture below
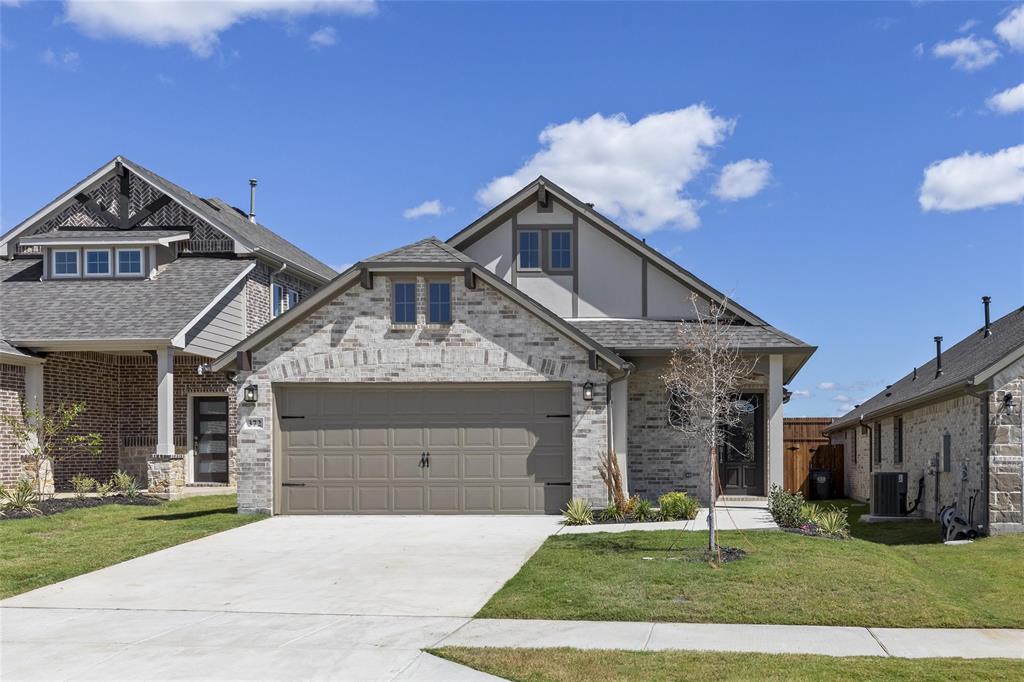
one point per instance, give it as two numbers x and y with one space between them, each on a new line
44 440
704 376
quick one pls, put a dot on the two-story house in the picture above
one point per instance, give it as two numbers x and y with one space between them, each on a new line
116 294
491 372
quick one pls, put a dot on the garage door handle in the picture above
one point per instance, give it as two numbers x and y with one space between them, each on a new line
293 416
552 416
293 485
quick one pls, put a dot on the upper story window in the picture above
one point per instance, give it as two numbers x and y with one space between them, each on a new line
65 263
97 262
282 299
129 261
440 303
404 303
529 250
561 250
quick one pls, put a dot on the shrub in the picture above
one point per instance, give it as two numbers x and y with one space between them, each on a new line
785 507
578 513
612 513
834 522
643 510
21 498
103 489
124 483
678 506
811 513
82 485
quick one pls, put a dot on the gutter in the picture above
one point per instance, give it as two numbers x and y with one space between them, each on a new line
281 263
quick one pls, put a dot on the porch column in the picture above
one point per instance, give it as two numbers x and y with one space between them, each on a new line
775 462
165 402
34 386
620 429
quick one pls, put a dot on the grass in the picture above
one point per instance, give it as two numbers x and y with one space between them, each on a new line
574 665
887 575
44 550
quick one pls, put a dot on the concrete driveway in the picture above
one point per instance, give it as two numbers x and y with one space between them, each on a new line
286 598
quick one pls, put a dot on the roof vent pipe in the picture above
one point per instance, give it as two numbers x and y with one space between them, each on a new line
985 300
938 356
252 200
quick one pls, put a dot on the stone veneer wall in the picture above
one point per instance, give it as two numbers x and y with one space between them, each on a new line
12 393
661 459
1006 456
351 339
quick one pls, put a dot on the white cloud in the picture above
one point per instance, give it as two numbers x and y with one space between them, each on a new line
841 398
969 53
196 24
1011 29
972 181
633 172
968 25
827 385
844 408
431 207
325 36
798 393
66 60
919 50
743 179
1007 101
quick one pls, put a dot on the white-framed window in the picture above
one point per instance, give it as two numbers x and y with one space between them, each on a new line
65 263
403 308
97 263
439 303
561 250
282 299
129 262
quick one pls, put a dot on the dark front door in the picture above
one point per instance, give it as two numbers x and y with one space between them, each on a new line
741 460
210 440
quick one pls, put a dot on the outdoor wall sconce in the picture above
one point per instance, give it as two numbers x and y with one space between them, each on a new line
588 391
1008 404
251 393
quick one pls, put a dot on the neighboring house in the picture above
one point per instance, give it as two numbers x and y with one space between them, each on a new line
115 294
490 373
954 422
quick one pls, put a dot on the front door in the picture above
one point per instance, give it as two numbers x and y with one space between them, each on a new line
741 459
210 439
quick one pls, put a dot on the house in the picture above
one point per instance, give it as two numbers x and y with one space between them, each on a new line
952 424
489 373
115 294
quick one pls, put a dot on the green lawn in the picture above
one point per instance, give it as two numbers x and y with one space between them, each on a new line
574 665
44 550
894 575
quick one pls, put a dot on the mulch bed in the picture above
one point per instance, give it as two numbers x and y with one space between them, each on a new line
58 505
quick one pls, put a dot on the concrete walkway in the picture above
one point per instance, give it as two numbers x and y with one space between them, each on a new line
770 639
746 517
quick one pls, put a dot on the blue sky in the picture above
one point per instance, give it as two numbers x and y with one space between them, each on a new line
788 143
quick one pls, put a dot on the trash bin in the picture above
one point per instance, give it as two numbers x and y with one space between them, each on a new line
821 484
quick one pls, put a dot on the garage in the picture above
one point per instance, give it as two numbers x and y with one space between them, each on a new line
423 448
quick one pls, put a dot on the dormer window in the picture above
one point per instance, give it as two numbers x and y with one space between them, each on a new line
129 262
97 262
529 250
65 263
284 299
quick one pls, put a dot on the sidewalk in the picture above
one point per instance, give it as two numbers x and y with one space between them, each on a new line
770 639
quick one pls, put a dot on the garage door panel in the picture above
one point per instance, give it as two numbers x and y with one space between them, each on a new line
298 500
409 500
358 449
443 465
302 466
479 466
373 465
338 500
407 467
338 467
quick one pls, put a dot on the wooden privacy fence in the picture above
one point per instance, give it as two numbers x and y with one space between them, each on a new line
806 448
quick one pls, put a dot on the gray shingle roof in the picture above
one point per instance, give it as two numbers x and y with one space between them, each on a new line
109 308
664 334
429 250
235 223
960 363
105 235
8 349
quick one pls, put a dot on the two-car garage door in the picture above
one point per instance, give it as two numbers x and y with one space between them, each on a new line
415 449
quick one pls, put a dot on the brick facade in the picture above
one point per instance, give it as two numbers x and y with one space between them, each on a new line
257 293
351 339
1006 453
12 393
